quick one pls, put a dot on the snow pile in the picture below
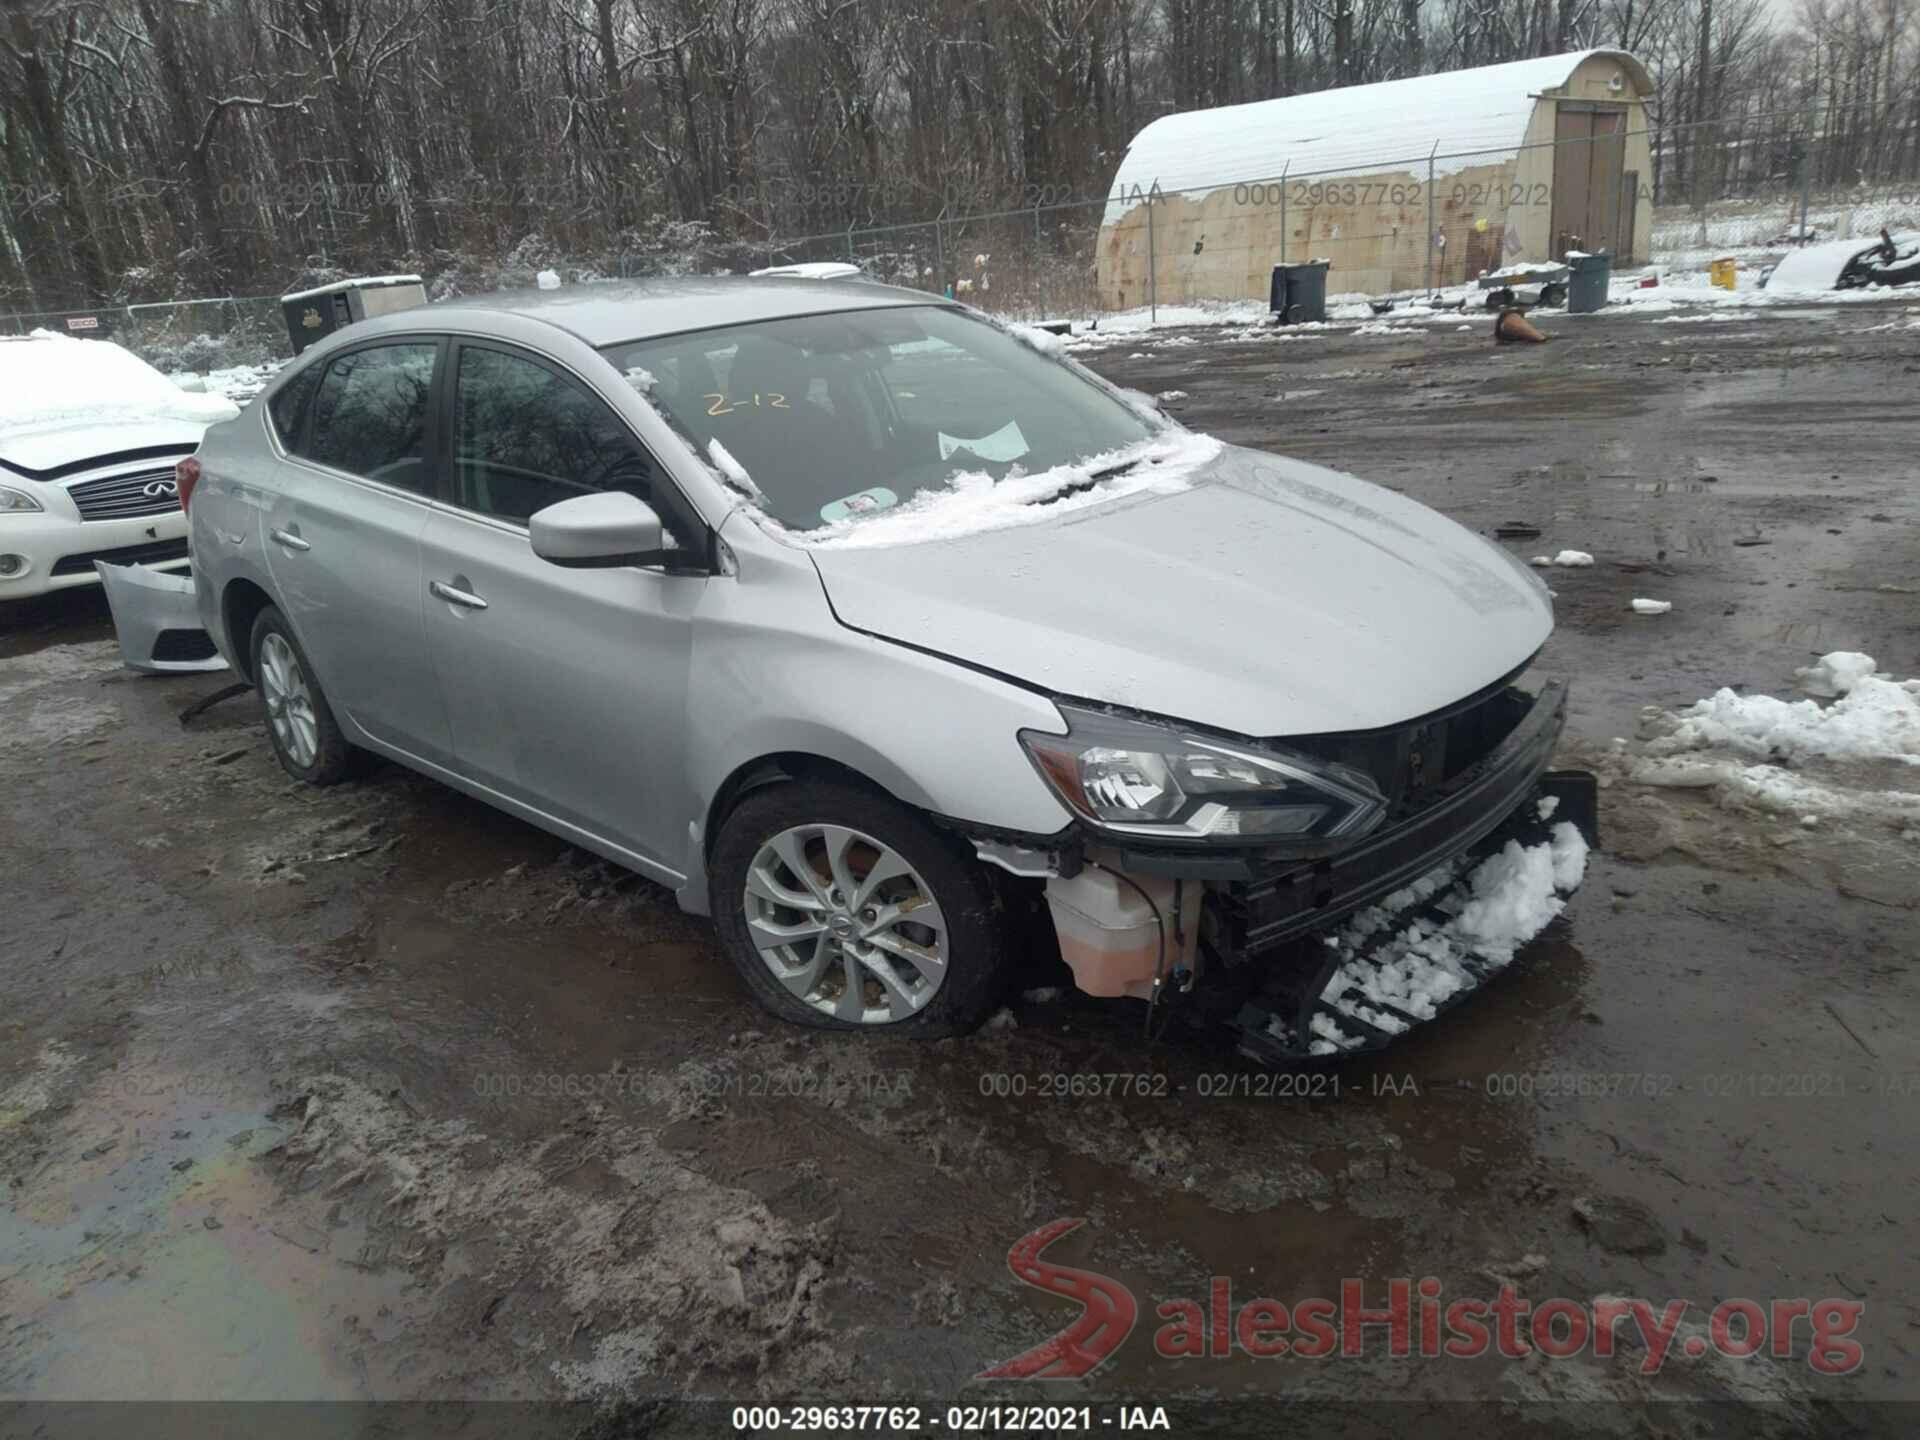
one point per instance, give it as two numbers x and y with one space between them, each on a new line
1045 341
732 471
1873 719
1741 746
1768 787
1170 395
236 382
51 381
1499 906
1122 325
973 502
1835 673
1572 559
548 279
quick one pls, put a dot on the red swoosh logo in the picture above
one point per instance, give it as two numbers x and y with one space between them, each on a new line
1106 1317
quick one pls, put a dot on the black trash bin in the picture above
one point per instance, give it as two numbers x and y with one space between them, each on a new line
1299 293
1587 282
315 314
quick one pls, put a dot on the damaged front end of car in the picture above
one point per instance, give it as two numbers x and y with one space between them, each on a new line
1216 868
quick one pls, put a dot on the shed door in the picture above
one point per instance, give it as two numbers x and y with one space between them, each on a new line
1589 170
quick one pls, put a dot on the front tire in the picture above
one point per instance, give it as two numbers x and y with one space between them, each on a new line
306 738
845 910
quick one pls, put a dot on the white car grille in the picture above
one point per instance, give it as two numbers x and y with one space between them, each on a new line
146 492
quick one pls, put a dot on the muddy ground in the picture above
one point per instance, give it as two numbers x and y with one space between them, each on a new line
372 1093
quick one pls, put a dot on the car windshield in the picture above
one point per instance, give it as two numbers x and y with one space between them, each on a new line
845 415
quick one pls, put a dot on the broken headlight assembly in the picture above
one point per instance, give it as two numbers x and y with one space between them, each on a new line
1153 782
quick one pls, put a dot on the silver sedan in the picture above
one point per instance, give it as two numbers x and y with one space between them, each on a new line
867 624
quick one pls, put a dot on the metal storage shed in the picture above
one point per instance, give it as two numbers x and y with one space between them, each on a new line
1429 180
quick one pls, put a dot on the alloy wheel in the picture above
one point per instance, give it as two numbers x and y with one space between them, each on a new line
846 924
289 702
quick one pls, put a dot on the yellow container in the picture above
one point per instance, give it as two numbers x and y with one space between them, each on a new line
1724 273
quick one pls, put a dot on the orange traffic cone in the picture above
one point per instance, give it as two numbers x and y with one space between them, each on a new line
1513 325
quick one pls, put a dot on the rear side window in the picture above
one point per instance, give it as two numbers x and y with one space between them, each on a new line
288 404
370 415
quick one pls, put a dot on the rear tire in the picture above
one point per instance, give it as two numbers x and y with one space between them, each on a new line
844 910
306 739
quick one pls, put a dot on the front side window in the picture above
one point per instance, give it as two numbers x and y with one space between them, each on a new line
526 437
840 416
370 415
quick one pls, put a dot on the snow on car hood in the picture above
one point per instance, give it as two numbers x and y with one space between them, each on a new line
1268 597
55 391
51 446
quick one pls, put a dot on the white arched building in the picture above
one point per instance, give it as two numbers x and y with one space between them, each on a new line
1504 163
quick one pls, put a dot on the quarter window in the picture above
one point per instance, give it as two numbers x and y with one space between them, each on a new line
288 404
370 415
526 437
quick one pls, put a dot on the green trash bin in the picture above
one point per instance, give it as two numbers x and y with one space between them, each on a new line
1587 282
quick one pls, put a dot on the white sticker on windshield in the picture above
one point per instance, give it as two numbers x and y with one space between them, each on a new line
864 503
1003 445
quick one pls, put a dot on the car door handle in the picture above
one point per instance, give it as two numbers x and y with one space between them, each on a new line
288 539
452 596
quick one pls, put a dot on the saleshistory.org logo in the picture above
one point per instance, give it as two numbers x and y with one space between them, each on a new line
1414 1320
1106 1318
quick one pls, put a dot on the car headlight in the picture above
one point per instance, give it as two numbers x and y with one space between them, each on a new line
13 501
1152 781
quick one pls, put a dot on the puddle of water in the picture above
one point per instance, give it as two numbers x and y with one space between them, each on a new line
162 1264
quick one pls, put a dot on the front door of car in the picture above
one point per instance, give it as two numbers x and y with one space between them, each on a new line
566 689
342 531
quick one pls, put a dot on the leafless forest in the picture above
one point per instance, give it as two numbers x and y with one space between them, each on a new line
151 149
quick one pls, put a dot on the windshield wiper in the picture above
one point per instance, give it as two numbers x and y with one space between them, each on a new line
1082 486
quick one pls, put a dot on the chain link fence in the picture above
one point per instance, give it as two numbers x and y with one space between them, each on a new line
178 335
1674 197
1035 261
1677 197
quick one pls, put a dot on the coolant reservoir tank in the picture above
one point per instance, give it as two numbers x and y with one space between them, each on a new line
1110 935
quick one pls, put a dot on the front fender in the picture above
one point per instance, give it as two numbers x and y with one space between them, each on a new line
774 673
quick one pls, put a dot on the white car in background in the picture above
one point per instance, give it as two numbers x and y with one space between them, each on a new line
89 438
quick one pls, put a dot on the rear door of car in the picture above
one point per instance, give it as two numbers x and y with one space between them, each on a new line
353 492
565 688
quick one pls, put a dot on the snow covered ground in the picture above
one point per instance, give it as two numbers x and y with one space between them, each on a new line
1449 930
238 383
1791 757
1675 296
1764 230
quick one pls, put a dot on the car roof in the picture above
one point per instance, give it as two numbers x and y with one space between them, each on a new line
612 312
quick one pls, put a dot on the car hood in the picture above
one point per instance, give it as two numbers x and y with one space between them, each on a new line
1269 598
40 449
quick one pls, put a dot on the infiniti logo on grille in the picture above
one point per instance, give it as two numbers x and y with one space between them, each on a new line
157 488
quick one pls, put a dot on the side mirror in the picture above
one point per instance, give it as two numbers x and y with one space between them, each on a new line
598 532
